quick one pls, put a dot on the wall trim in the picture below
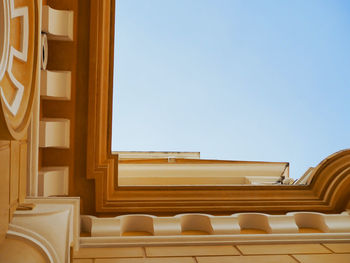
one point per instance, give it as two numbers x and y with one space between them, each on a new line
326 193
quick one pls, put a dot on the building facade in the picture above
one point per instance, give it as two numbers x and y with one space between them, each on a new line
65 197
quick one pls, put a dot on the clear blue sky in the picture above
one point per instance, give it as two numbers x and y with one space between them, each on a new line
239 80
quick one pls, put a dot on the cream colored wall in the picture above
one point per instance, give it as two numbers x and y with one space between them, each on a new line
286 253
17 250
13 170
172 173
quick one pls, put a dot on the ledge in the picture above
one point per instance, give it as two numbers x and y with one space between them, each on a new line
296 222
286 228
213 240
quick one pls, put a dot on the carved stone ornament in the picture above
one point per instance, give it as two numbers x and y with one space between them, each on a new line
19 38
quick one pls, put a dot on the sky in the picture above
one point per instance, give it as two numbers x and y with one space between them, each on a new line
233 79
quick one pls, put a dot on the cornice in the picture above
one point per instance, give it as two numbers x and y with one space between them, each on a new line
139 230
327 193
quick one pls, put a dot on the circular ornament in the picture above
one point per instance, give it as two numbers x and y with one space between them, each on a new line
19 39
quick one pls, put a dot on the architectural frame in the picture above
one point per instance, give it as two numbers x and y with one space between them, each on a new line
326 193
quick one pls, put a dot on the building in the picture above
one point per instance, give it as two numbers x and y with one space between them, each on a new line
62 194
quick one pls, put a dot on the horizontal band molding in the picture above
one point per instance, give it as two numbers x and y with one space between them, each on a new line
328 191
322 195
259 223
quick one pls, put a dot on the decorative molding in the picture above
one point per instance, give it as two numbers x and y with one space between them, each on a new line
54 133
18 86
217 225
21 55
291 227
59 203
327 192
44 52
37 225
35 239
58 24
53 181
100 163
192 240
5 37
33 148
55 85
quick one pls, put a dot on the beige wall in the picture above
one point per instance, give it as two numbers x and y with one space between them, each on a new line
279 253
13 170
17 250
